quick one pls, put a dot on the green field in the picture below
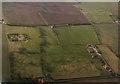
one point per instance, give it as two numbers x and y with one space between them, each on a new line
76 35
65 52
61 52
67 57
108 33
99 12
110 57
49 35
24 64
103 15
71 62
62 37
33 45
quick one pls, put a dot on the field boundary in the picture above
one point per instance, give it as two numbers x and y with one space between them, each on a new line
81 79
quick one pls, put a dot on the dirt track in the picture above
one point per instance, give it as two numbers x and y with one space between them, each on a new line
48 13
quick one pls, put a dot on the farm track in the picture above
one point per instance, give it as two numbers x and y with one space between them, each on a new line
53 30
43 18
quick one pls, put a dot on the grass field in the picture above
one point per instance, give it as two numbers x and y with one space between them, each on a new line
110 58
61 58
33 45
99 12
71 62
49 35
108 33
68 57
23 65
76 35
26 65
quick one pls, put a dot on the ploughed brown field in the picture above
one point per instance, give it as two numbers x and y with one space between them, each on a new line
42 13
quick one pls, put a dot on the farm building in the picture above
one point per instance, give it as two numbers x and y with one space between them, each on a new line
17 37
90 50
